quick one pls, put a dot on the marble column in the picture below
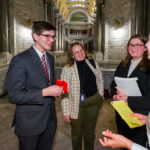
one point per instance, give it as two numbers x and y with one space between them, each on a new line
51 13
68 30
57 37
88 30
139 16
60 34
147 18
48 12
4 26
63 34
99 32
99 26
5 55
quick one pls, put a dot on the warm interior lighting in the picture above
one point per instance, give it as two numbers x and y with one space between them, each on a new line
118 33
26 32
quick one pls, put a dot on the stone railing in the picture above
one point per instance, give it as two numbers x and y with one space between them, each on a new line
4 64
108 75
74 36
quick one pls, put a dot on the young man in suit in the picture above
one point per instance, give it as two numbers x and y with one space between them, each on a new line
31 87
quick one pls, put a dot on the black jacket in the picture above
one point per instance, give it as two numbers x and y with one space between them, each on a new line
140 104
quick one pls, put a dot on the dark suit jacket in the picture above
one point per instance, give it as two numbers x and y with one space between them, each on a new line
26 79
139 104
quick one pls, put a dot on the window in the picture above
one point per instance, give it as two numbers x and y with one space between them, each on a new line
78 5
71 1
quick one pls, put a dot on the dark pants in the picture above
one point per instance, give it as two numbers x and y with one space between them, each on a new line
86 122
42 141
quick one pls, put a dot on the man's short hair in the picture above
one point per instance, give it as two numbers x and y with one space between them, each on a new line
40 26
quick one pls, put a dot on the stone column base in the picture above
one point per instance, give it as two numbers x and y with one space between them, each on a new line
58 51
98 56
60 58
5 58
3 80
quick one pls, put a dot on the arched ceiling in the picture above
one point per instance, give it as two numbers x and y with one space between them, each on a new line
66 7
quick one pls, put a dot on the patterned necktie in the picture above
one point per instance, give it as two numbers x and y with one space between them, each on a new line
45 67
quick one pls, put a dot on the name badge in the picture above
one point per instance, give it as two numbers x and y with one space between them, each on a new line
82 98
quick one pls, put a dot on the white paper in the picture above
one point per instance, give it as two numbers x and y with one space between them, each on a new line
128 85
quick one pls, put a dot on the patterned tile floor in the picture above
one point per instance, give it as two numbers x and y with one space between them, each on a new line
8 140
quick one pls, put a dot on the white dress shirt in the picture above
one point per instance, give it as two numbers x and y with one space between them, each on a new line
40 54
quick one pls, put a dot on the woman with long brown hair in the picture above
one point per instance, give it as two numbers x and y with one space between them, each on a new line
136 65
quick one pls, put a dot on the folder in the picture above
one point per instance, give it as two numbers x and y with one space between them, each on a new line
128 85
124 111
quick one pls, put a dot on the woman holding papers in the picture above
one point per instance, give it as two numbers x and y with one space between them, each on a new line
134 65
82 105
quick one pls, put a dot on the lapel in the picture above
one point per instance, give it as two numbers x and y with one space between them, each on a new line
76 76
134 72
91 67
137 73
38 63
51 66
125 72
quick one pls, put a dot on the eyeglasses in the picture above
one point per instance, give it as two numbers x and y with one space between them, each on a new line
136 45
77 52
48 36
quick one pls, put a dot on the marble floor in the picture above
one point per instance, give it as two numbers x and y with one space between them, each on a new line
8 140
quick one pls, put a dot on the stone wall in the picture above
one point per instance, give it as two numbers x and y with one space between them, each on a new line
119 25
21 14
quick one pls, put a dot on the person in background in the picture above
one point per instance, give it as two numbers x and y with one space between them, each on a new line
136 65
119 141
31 87
81 107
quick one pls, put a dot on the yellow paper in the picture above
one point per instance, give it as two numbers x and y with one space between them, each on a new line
124 111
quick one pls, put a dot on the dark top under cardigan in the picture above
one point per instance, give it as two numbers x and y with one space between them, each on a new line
87 79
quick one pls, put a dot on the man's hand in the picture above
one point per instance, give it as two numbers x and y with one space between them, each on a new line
53 90
115 140
68 118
